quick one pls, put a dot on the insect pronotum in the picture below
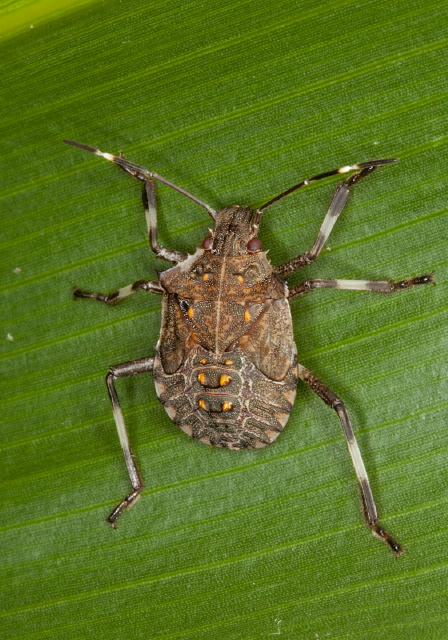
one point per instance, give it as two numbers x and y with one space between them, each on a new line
225 365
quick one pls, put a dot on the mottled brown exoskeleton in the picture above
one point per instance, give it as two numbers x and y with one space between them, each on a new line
226 366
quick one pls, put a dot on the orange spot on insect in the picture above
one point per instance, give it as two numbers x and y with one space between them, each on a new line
224 380
203 361
240 279
201 378
226 362
247 316
227 406
201 403
190 312
194 337
206 277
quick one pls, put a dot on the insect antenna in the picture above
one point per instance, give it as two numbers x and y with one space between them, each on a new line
141 173
320 176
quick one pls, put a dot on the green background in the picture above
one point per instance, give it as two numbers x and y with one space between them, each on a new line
235 101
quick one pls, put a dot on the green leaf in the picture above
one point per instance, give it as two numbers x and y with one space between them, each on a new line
234 101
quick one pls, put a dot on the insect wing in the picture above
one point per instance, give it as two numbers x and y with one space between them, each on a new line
269 343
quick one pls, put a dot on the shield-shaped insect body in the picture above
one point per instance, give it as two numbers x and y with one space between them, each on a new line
226 363
225 366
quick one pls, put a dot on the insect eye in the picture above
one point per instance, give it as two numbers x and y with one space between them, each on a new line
254 245
207 243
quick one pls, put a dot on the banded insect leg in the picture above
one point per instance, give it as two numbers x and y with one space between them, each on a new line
368 502
377 286
125 369
150 204
114 297
338 202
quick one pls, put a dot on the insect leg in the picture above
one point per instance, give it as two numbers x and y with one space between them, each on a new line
379 286
368 502
338 202
123 370
150 204
114 297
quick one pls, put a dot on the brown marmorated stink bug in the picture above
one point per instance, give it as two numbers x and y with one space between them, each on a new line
226 367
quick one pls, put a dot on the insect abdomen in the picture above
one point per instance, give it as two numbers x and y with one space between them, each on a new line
224 400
